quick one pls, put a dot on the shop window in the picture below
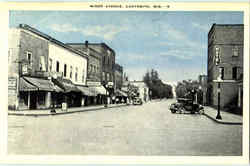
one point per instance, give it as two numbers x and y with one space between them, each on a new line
41 98
234 73
57 66
65 70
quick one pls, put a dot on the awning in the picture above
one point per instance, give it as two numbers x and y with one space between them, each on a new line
99 90
120 93
41 84
25 86
66 84
86 91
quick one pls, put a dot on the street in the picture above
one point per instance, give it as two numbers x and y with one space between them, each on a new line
150 129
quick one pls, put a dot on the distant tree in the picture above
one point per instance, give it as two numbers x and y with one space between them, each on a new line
156 86
184 88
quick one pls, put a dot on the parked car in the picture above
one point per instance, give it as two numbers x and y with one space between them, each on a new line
137 101
186 105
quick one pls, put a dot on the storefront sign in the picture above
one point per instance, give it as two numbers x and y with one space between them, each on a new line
90 83
12 83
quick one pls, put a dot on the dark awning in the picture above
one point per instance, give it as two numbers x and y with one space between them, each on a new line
41 84
66 84
25 86
86 91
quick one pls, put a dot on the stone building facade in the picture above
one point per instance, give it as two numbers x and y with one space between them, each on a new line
225 59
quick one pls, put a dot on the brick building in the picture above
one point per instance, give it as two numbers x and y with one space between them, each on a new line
94 71
225 60
118 76
43 72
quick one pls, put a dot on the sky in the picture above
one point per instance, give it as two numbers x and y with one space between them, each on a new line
172 42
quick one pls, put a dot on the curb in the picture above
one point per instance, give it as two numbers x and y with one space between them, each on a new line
222 122
62 113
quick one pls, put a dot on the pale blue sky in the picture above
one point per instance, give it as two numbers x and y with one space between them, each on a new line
174 43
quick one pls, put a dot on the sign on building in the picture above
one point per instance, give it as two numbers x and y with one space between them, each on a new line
12 83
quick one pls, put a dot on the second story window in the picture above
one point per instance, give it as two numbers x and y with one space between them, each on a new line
50 64
83 75
29 58
65 70
57 66
235 51
76 74
234 73
42 63
103 76
71 71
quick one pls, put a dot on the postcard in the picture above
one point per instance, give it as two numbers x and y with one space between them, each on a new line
125 82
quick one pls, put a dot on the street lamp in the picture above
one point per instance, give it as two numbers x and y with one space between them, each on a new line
219 79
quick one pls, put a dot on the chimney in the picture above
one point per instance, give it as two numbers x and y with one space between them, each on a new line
87 43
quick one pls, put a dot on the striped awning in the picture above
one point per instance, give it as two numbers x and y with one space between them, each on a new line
86 91
25 86
41 84
66 84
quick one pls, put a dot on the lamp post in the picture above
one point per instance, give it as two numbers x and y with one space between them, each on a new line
218 111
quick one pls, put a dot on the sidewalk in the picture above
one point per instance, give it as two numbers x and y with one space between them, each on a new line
59 111
227 118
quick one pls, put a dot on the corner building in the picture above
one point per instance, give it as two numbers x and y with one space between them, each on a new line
225 59
43 72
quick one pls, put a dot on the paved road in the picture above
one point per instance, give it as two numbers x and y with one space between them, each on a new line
133 130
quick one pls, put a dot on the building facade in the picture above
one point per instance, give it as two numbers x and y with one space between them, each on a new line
43 72
225 61
118 76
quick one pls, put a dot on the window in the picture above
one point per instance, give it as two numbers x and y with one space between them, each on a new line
71 71
234 73
50 64
83 75
29 58
103 76
65 70
57 66
42 63
76 75
235 51
221 72
108 77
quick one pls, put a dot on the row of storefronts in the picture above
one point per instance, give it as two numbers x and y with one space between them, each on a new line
43 93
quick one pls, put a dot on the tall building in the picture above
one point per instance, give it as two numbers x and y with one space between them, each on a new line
225 61
118 76
43 72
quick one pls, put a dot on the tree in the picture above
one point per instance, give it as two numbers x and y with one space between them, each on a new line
156 86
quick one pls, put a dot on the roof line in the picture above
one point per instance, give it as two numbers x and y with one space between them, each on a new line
41 34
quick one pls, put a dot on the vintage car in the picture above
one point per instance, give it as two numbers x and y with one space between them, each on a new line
137 101
184 105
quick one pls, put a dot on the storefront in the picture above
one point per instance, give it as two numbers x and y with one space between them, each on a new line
88 95
35 93
71 95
